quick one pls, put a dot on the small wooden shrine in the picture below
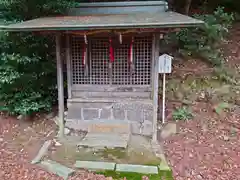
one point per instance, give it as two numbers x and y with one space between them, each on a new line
111 53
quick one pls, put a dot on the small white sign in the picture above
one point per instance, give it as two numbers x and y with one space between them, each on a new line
165 64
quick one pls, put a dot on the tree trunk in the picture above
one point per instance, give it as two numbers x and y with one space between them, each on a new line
187 6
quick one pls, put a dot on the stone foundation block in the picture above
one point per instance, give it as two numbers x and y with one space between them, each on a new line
147 128
119 114
90 114
139 113
135 115
105 113
109 126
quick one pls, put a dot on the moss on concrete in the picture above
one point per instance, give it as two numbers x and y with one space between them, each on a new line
118 153
137 176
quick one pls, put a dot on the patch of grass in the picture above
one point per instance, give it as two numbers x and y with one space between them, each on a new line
124 156
182 113
137 176
191 87
195 83
225 75
222 107
144 158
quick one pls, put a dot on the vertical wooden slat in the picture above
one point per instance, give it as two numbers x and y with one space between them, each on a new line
110 73
86 68
60 85
155 89
90 59
69 69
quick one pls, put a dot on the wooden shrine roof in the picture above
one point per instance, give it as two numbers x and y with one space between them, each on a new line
106 21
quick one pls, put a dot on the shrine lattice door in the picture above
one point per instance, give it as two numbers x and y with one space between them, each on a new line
98 61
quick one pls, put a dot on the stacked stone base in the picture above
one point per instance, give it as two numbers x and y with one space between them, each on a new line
85 113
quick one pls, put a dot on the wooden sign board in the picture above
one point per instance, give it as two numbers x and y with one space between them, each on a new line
165 64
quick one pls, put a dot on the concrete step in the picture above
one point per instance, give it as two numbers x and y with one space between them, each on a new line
137 168
92 165
103 140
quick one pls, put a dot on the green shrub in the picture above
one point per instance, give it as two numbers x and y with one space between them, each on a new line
204 41
27 73
24 9
231 5
25 85
182 113
27 66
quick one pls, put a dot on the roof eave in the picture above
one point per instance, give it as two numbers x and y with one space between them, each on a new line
97 27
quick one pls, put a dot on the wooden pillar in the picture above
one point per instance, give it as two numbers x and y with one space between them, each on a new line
155 88
69 69
153 64
60 86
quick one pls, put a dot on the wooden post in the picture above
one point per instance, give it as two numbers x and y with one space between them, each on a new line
153 64
155 90
68 56
163 98
60 86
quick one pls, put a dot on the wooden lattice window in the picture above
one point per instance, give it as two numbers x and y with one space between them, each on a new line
98 59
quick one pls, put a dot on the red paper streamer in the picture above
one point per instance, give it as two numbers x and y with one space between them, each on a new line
111 52
131 52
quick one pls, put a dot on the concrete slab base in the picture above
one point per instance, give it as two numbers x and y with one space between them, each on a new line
56 168
42 152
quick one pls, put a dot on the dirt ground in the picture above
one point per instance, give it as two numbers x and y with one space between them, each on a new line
20 142
205 148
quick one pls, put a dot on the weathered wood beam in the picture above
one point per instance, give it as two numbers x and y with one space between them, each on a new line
60 86
111 88
130 32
